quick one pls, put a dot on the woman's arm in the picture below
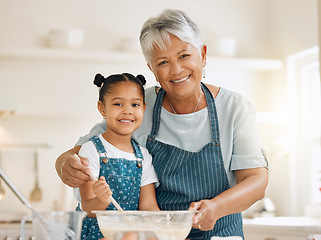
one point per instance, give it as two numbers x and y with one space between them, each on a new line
250 187
71 171
147 198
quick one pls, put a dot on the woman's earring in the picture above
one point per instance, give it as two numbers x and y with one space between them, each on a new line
204 72
157 87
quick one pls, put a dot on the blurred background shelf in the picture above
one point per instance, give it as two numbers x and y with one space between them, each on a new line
255 64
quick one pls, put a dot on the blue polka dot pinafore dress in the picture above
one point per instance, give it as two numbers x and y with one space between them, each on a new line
123 177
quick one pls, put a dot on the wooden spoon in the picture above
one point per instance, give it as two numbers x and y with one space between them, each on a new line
94 178
36 193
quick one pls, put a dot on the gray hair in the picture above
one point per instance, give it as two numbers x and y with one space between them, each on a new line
155 32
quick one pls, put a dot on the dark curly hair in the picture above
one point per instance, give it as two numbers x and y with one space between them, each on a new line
106 84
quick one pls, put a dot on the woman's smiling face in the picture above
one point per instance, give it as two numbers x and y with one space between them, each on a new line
179 68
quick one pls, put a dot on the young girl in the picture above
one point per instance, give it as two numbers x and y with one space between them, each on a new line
123 168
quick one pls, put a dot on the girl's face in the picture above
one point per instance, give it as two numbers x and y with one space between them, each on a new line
178 69
123 108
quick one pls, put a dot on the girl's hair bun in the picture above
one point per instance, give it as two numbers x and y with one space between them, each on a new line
141 79
99 79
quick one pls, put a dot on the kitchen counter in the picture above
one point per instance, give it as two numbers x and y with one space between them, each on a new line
281 228
12 231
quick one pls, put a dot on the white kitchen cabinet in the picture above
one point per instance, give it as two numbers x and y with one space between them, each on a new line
281 228
275 236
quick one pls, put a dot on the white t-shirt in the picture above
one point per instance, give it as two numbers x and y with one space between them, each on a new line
240 144
89 151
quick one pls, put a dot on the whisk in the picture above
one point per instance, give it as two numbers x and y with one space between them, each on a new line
51 225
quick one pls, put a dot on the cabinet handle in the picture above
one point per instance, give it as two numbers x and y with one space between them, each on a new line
270 239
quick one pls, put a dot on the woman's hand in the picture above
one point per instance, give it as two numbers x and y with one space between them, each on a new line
102 190
205 219
71 171
250 187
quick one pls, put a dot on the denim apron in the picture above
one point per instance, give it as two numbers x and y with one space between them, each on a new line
123 177
187 177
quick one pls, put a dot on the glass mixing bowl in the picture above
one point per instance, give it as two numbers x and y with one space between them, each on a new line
161 225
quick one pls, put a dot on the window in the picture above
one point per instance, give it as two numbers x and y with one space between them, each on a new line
304 129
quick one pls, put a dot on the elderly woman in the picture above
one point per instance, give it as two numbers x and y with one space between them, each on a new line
202 138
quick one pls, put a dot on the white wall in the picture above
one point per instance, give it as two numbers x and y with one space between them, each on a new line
263 28
106 22
292 26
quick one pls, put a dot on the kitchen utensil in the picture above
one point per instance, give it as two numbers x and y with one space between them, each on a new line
49 228
36 193
94 178
62 225
166 225
2 191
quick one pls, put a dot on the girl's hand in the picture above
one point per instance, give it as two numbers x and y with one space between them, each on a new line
102 190
205 219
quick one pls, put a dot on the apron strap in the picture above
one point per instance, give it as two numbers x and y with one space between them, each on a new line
98 144
137 151
210 106
157 112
